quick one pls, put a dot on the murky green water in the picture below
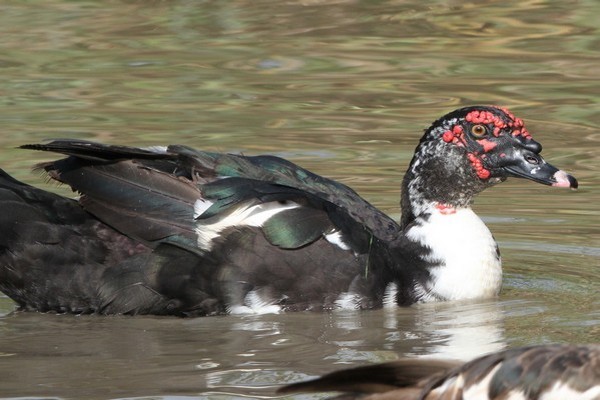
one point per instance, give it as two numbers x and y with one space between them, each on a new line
345 88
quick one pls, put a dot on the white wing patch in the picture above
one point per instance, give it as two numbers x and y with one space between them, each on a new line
156 149
255 215
200 206
335 238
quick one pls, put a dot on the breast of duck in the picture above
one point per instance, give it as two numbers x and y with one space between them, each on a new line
173 230
548 372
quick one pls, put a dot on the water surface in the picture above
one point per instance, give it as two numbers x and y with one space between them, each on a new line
344 88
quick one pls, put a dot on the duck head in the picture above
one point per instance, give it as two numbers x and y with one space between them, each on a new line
468 150
498 145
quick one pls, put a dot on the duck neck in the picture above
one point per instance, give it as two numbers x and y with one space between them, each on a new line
439 177
454 252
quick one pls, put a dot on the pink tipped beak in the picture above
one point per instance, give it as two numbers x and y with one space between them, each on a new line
562 179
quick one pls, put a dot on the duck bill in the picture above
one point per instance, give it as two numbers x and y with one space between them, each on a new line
535 168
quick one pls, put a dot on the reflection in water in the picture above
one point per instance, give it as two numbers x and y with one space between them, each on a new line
463 331
249 355
456 331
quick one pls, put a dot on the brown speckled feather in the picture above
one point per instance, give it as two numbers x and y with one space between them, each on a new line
550 372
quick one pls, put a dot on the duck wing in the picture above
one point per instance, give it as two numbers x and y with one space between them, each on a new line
167 194
267 173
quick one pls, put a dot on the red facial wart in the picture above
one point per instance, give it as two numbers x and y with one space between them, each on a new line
478 166
487 117
517 124
487 145
445 209
456 136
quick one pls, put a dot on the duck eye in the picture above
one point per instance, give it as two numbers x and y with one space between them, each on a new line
478 130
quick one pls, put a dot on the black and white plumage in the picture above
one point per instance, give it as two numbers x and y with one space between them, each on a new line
545 372
184 232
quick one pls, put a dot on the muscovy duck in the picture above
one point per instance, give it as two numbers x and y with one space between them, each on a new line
184 232
549 372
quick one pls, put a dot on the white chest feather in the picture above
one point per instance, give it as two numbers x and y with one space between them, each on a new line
463 247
